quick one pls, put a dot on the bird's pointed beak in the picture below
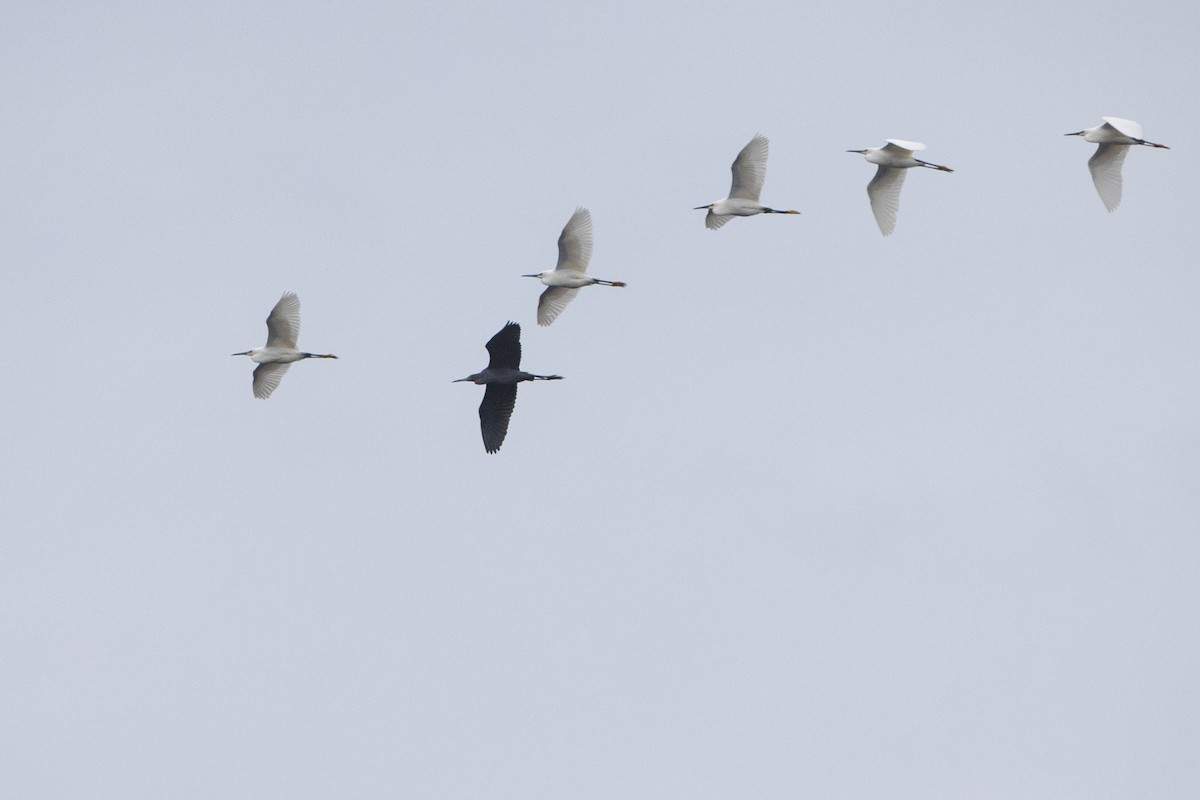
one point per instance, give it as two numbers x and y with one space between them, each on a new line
1076 133
860 152
460 380
535 275
241 354
699 208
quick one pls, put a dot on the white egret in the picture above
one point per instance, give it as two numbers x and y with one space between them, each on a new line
501 377
283 326
566 279
1114 137
749 172
894 158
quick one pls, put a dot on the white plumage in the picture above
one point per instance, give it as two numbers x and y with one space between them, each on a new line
894 159
749 171
570 275
283 329
1115 137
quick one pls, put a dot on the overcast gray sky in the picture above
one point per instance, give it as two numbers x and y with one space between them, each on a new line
814 513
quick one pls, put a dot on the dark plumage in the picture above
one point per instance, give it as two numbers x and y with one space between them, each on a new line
501 377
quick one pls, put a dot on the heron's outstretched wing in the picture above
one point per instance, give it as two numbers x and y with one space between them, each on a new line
267 378
495 411
552 302
749 172
1124 126
575 243
283 325
1105 165
713 221
884 191
504 348
900 145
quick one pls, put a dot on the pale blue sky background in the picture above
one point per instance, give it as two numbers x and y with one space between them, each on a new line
814 514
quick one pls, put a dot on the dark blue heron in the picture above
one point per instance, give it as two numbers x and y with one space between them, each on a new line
501 377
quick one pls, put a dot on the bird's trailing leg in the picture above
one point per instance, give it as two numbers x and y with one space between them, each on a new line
777 211
547 377
317 355
608 283
1152 144
939 167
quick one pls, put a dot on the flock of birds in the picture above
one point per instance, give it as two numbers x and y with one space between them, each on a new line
503 372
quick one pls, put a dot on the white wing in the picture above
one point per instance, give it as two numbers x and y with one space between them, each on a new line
575 243
1105 165
884 191
1125 126
283 325
552 302
267 378
713 221
749 172
900 144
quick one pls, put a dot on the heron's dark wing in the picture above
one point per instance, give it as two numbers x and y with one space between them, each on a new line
267 378
505 348
499 399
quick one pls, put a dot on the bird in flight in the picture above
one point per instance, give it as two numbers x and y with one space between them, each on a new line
1115 137
570 275
894 159
749 172
283 326
501 377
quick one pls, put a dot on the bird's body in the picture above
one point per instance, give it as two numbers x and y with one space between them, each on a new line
749 171
570 275
501 377
283 328
1115 137
896 156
